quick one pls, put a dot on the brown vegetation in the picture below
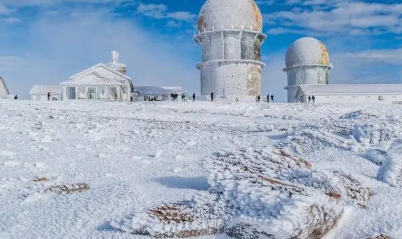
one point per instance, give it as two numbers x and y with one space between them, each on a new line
67 189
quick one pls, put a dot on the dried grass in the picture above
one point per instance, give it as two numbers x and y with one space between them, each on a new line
68 189
40 179
381 237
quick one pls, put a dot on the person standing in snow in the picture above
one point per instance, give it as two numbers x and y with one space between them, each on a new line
313 98
194 97
15 97
309 99
272 98
183 96
258 98
48 95
212 96
268 98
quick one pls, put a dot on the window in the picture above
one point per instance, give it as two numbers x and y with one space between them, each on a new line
70 93
380 97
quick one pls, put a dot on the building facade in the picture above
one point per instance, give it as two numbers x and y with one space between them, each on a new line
355 93
46 92
100 82
158 93
230 38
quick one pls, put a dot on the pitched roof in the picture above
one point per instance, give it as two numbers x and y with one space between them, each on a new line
90 76
44 89
87 71
355 89
92 79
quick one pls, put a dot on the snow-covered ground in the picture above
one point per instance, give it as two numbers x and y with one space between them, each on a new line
136 156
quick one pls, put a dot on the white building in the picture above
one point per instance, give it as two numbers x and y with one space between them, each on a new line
40 92
307 63
3 89
100 82
307 67
352 93
230 38
158 92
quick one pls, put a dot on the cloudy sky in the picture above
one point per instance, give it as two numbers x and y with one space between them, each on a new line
46 41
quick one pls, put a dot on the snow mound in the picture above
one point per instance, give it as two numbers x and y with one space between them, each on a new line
256 193
391 170
204 215
305 141
375 134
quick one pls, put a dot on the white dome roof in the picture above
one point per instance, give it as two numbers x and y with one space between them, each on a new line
239 14
307 51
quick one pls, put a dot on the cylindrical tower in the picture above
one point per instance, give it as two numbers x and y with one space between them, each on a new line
230 38
307 62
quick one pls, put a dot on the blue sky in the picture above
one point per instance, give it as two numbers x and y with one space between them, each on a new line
46 41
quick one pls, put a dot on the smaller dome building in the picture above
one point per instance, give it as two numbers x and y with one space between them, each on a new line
307 63
307 68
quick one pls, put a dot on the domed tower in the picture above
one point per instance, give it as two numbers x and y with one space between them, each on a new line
114 55
230 38
307 62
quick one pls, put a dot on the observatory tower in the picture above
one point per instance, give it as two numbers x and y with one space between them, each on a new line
230 38
307 63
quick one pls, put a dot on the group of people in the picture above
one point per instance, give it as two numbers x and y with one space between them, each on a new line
311 98
270 98
54 98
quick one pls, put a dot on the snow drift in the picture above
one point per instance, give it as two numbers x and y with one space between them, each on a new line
258 193
391 169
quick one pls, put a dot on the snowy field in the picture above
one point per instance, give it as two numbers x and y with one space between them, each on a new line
69 169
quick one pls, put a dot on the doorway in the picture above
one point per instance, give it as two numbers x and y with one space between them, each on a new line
92 93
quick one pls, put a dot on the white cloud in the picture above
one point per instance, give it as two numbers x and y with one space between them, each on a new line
332 17
5 10
160 11
152 10
182 16
389 56
19 3
12 20
266 2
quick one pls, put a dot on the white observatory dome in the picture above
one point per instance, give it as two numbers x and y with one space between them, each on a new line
228 14
307 51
